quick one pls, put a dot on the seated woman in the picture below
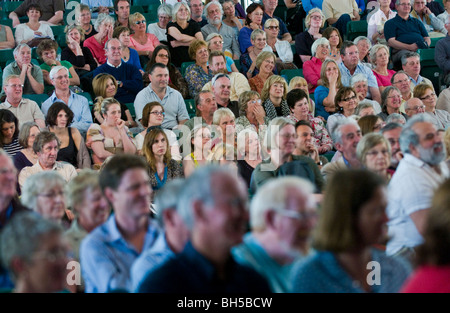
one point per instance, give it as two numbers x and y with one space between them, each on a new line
375 28
159 29
33 31
281 48
47 52
297 101
248 59
273 97
359 83
224 119
314 21
7 40
26 156
370 123
198 74
379 56
299 82
162 168
215 43
153 116
265 64
255 12
129 55
224 155
200 140
161 54
181 32
391 100
325 93
72 148
230 18
364 45
249 153
311 69
143 42
104 27
105 86
374 153
83 18
80 57
425 92
111 137
345 103
9 134
335 40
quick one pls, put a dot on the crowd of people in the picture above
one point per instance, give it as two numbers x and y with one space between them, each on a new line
273 184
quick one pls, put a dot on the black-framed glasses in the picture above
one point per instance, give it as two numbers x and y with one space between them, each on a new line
349 98
158 113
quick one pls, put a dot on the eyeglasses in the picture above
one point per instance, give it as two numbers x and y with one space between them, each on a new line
162 55
405 4
255 101
164 17
316 17
375 153
272 27
297 215
349 98
417 107
139 22
15 86
394 96
52 194
218 42
158 113
429 97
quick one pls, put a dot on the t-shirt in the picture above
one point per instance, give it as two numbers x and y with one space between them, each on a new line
181 54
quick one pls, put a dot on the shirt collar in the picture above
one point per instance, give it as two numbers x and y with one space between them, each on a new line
107 62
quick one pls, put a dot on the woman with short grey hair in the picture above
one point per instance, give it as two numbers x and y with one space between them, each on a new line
104 27
379 56
360 84
320 50
159 28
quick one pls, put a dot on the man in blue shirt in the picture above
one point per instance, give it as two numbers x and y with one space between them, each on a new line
82 117
109 251
269 9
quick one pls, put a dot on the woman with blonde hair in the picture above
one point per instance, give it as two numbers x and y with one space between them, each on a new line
200 144
325 93
249 153
379 56
83 17
144 43
425 92
281 48
314 21
215 43
273 97
299 82
265 63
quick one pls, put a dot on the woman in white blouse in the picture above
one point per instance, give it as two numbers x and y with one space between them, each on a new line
26 32
281 48
159 29
375 28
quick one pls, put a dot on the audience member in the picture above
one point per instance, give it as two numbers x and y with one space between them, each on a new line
215 43
370 124
414 106
411 66
231 15
324 94
249 152
251 114
248 59
334 38
401 80
364 108
273 97
391 101
129 55
374 153
9 126
51 12
339 16
375 28
159 28
221 87
379 56
269 10
433 25
122 10
265 64
305 143
442 52
298 82
196 7
345 102
281 48
359 83
314 22
425 92
33 31
396 118
391 132
443 101
7 40
144 43
200 147
364 46
96 43
205 106
253 20
311 68
199 73
83 18
26 156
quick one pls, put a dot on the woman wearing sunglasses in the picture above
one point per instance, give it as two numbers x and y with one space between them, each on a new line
143 42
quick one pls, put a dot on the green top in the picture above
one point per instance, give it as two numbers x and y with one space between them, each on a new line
48 68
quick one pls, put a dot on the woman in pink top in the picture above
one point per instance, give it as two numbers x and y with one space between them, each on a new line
320 50
379 56
104 26
141 41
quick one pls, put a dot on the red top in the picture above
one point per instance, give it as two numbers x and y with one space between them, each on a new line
428 279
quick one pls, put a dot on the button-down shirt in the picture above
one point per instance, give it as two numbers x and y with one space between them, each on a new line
36 72
441 118
360 68
82 117
26 111
67 171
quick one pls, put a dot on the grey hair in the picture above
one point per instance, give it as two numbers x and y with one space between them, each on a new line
360 77
317 42
273 129
408 55
385 94
390 126
217 76
38 183
103 18
19 47
408 136
167 197
177 7
360 38
220 113
257 32
56 69
336 132
211 36
373 52
273 195
364 104
86 179
111 39
205 8
22 236
396 118
165 9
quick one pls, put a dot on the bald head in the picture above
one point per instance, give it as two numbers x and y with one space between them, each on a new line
414 106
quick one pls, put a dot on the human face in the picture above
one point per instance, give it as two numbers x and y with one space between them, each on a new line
8 130
33 14
304 141
222 88
202 139
202 55
331 69
218 65
430 148
270 5
382 57
75 35
252 104
85 17
8 177
372 218
252 144
256 16
361 89
47 157
404 7
24 56
276 90
196 7
13 90
259 42
267 65
419 5
378 158
49 55
110 89
363 49
394 100
272 30
227 125
334 39
132 198
366 111
162 57
351 57
414 106
228 9
104 29
302 86
322 52
214 14
51 203
114 52
183 13
286 138
402 82
429 100
225 220
393 136
207 104
139 25
113 113
301 109
412 67
62 119
349 103
159 78
294 224
316 20
159 146
46 272
163 20
33 133
124 38
61 80
94 210
378 125
123 10
351 135
156 116
216 44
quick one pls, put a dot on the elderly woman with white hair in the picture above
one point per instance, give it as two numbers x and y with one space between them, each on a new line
159 29
43 192
379 56
359 83
314 21
104 27
249 153
311 69
215 43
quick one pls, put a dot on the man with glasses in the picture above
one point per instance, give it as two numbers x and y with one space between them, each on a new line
351 65
411 66
196 7
25 110
414 106
129 79
214 14
401 80
405 33
122 9
442 53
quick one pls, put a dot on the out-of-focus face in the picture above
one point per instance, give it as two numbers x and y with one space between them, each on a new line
8 130
351 57
259 42
202 55
227 125
202 139
276 90
378 158
13 90
404 7
316 20
24 56
85 17
47 157
270 5
196 7
403 83
110 89
139 25
419 5
285 139
123 10
124 38
252 144
105 28
62 119
156 116
113 113
393 136
33 133
331 68
94 210
429 100
363 49
367 111
159 146
252 104
162 57
51 203
351 135
8 177
412 67
256 16
430 148
75 35
414 106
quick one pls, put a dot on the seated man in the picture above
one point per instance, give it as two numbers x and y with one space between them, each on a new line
221 86
414 106
99 6
79 105
442 53
25 110
129 79
402 81
404 33
433 25
205 106
196 7
52 11
411 66
339 15
30 74
122 9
